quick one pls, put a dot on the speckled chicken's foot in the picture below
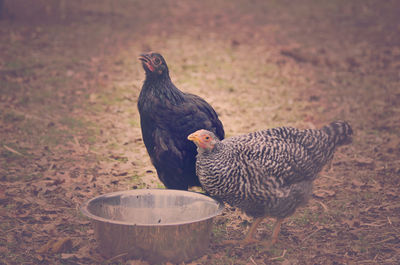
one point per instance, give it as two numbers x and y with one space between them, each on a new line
275 233
328 170
249 239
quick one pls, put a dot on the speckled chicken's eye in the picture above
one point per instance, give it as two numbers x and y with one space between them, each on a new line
207 137
157 60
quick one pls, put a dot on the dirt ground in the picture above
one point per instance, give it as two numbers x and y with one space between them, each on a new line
69 125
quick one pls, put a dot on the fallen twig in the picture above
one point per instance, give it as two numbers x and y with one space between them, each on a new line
323 206
307 237
77 142
15 72
252 260
280 257
116 257
12 150
385 240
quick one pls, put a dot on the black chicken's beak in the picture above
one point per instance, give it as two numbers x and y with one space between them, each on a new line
147 63
144 57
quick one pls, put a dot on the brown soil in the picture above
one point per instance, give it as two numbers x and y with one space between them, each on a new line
69 126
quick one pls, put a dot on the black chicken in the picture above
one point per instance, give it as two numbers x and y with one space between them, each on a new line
266 173
167 117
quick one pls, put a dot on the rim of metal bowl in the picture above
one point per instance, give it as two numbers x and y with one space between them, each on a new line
85 211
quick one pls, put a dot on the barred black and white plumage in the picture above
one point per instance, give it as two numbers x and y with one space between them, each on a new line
268 172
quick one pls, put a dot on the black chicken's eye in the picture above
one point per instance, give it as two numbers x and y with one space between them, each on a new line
207 137
157 60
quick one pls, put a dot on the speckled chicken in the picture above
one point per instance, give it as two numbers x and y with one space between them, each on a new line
268 172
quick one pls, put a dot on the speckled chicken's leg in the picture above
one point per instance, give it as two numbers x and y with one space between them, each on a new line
275 232
328 169
249 239
253 229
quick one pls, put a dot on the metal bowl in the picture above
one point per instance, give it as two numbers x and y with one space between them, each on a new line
156 225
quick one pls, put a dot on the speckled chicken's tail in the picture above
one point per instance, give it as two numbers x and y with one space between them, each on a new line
340 131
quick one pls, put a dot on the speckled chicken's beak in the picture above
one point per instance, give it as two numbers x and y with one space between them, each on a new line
193 137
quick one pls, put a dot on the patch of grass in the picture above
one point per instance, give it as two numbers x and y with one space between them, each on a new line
52 138
228 258
111 97
37 132
23 100
219 231
307 217
4 226
68 228
363 197
8 155
72 123
11 116
269 69
12 150
113 145
135 178
139 185
10 88
56 81
190 68
31 128
223 83
134 122
159 185
362 244
30 176
92 138
13 65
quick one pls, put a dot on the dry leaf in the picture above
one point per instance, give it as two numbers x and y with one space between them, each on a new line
138 262
46 248
324 193
364 161
39 258
357 183
3 196
68 255
62 245
56 246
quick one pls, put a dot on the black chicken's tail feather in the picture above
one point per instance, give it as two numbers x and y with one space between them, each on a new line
340 131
